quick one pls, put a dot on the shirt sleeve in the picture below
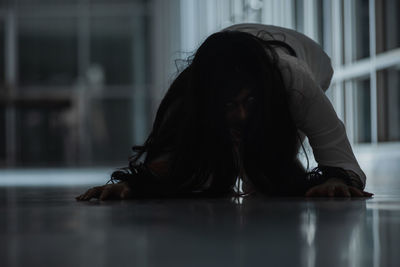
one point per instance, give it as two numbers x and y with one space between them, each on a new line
315 116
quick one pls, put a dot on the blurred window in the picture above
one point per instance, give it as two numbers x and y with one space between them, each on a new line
2 91
47 51
320 6
390 92
111 130
111 48
253 10
2 55
391 22
2 134
47 3
299 15
361 32
103 46
362 110
42 133
96 2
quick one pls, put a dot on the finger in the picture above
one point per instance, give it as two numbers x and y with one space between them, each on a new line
92 193
331 190
343 191
355 192
78 198
367 194
82 197
126 193
317 191
312 192
105 194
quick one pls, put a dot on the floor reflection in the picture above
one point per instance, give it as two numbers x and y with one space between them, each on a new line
44 226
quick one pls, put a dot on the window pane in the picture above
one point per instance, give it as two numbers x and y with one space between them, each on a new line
2 55
299 15
42 133
2 134
362 110
111 46
320 6
47 49
390 91
111 130
46 2
391 21
96 2
253 11
361 29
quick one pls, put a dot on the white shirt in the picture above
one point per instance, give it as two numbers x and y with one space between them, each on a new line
307 77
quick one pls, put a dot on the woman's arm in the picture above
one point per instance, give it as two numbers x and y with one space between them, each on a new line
315 116
328 139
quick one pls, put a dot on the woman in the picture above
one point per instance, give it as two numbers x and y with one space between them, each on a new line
241 108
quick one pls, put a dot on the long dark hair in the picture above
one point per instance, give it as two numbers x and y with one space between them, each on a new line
191 132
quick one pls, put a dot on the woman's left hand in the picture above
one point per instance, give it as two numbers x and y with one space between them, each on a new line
120 190
336 188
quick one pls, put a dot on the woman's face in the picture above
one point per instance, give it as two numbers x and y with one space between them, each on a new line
237 109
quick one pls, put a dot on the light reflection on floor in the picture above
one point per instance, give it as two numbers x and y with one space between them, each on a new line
44 226
54 176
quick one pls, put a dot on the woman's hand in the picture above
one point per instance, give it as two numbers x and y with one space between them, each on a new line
336 188
109 191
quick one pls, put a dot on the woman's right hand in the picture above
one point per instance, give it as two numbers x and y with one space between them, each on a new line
110 191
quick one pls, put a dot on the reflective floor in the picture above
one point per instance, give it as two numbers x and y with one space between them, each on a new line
45 226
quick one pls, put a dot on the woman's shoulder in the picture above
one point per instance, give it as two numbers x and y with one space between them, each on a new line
297 76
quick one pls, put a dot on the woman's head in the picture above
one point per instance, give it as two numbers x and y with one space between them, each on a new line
230 66
232 83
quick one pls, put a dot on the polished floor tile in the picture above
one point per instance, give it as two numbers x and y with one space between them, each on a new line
45 226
